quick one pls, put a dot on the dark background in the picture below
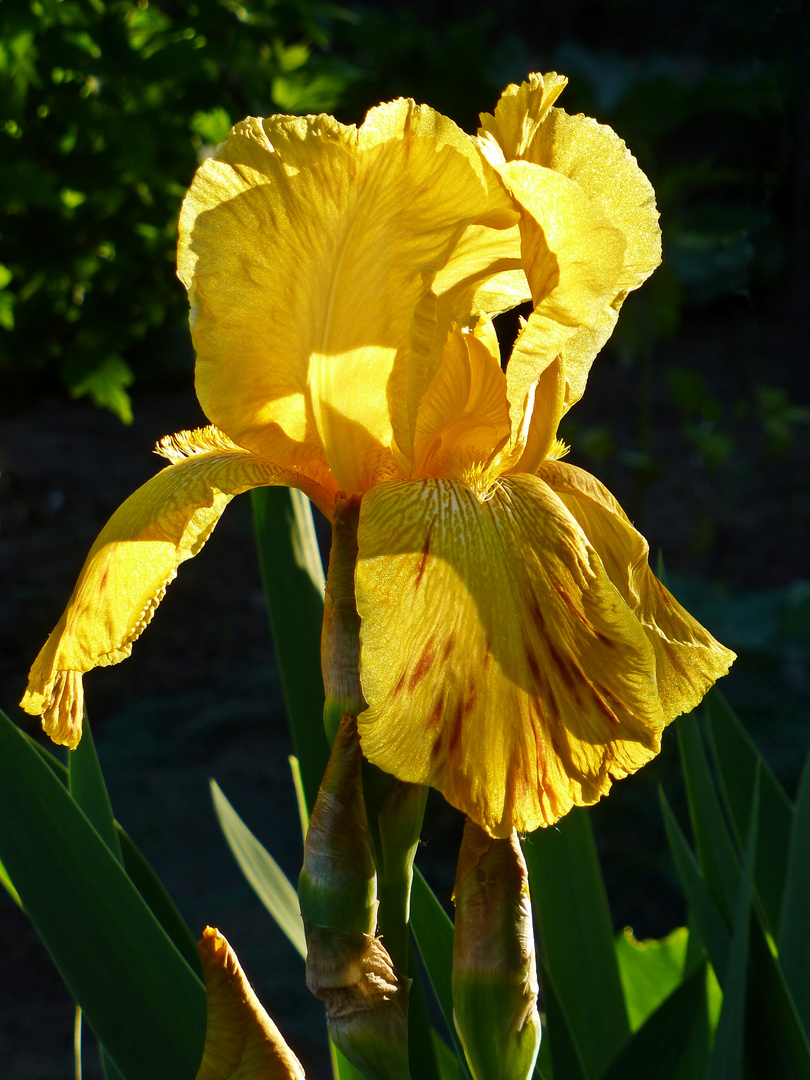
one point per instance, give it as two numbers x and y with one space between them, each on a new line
696 414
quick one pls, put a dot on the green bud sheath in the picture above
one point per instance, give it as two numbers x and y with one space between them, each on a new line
347 965
494 971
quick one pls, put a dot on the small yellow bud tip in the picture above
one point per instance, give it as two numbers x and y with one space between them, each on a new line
240 1038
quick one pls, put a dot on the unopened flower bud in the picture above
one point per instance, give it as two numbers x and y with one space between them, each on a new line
240 1038
347 965
494 971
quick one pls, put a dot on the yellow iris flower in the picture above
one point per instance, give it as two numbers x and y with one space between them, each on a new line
516 651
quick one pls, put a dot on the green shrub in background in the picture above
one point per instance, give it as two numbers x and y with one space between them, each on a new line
105 109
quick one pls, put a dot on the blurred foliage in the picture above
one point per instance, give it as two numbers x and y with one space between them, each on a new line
106 109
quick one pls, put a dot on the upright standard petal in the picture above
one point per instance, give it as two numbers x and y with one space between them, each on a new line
572 255
463 417
499 663
688 660
241 1041
520 112
310 249
525 128
133 561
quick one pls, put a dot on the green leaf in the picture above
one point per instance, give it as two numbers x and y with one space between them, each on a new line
153 891
777 1014
341 1068
574 927
736 759
5 881
423 1054
141 874
562 1043
650 971
704 911
89 790
718 860
261 870
142 999
433 933
727 1054
293 584
794 927
657 1050
449 1067
106 384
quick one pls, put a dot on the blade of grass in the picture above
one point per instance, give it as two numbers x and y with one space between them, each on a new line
89 790
141 998
736 759
794 926
703 910
5 881
727 1055
293 584
261 870
718 860
576 936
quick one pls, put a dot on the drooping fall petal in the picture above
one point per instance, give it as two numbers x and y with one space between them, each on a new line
133 560
310 249
688 660
241 1041
499 663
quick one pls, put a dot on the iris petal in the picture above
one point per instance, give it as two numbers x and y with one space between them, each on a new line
688 659
319 343
133 560
498 661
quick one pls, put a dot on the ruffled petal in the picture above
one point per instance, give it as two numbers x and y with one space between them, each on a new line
572 255
525 128
688 660
135 557
241 1041
310 249
520 112
463 416
498 661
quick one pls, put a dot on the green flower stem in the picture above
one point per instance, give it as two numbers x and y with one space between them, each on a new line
400 824
340 638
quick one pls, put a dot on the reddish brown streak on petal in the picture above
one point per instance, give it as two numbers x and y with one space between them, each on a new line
436 713
423 666
103 581
399 685
537 614
534 667
455 734
449 645
420 570
603 639
575 610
